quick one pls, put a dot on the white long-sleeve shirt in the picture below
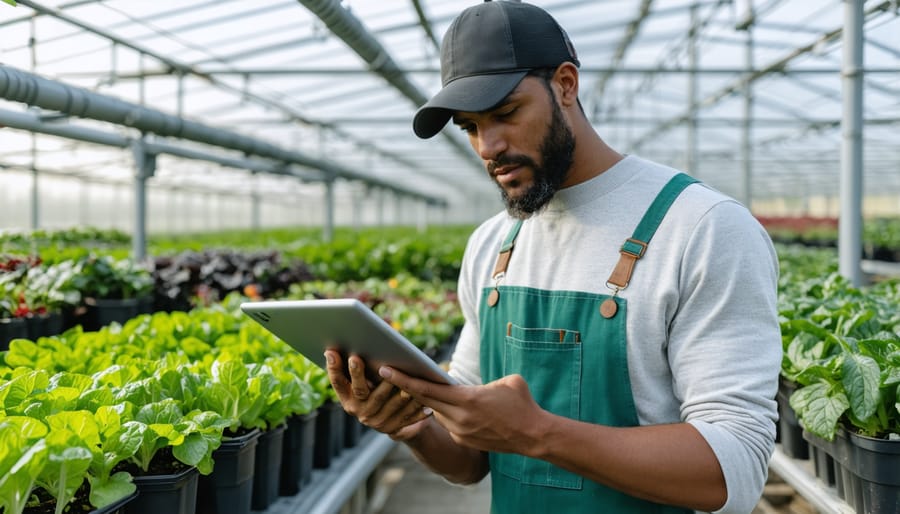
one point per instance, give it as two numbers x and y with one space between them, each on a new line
704 343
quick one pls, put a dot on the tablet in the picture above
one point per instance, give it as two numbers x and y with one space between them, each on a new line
348 325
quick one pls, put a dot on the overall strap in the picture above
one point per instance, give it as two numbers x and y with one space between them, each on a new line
503 261
635 246
506 250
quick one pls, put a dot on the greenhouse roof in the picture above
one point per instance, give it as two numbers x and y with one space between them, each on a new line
330 88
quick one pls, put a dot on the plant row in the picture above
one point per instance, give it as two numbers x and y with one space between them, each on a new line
102 407
97 408
881 236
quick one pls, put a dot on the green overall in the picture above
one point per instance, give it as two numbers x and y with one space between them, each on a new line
570 347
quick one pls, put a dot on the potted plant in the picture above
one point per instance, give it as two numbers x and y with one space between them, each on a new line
846 359
114 290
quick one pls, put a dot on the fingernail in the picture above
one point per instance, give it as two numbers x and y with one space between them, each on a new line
384 372
328 358
427 411
352 364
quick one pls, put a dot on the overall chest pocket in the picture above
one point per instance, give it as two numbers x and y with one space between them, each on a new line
550 360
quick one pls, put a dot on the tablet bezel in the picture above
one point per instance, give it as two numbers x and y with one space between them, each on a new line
348 325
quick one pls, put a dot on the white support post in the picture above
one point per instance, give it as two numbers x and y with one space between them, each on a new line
850 222
691 153
747 132
35 183
255 203
145 167
328 226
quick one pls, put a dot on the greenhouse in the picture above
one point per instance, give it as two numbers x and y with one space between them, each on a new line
164 165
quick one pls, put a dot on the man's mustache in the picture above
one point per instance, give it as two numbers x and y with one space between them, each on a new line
512 160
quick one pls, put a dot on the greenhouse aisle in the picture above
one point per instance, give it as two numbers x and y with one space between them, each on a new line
413 490
417 490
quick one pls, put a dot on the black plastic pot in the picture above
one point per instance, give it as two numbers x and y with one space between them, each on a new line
297 457
846 481
789 429
11 328
169 494
876 462
267 467
229 488
45 325
352 430
329 434
102 312
821 452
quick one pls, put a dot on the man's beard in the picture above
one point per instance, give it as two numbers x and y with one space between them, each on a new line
557 151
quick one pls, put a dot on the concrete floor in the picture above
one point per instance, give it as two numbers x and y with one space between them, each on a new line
409 488
414 489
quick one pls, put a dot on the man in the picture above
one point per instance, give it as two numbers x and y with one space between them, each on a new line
601 371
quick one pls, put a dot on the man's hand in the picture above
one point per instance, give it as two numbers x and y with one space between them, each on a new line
501 416
383 407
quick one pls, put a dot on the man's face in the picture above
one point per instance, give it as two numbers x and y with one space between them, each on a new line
528 156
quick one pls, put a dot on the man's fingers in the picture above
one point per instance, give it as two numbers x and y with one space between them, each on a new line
335 370
360 385
401 410
426 392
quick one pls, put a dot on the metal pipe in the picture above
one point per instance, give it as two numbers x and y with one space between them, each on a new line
746 133
35 183
33 123
144 168
691 153
28 88
850 220
328 228
584 70
631 33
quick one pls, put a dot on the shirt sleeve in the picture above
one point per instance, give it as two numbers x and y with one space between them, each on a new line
465 364
725 347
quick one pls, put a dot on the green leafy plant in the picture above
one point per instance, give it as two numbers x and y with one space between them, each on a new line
102 276
842 349
69 442
118 442
23 455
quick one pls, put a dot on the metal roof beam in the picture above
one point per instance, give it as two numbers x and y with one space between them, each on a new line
185 69
736 87
586 70
347 27
426 25
631 32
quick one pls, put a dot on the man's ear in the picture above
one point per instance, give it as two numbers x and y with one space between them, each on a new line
566 81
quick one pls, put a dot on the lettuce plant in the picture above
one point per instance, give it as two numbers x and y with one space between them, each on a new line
68 459
118 442
23 456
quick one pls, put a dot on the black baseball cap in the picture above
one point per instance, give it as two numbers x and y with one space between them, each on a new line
486 52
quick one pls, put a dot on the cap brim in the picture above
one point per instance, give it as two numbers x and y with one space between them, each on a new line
475 93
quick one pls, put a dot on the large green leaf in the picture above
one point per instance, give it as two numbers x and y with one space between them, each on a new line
26 464
819 407
17 391
110 491
860 377
68 460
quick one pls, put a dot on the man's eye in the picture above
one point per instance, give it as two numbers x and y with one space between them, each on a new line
468 128
506 113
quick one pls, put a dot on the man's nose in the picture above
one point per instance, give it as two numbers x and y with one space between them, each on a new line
491 142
